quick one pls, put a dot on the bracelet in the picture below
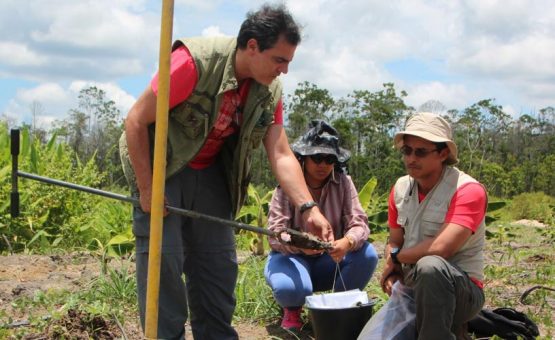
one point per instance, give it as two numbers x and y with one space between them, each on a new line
351 242
305 206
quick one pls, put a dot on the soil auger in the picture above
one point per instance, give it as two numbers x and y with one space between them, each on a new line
286 236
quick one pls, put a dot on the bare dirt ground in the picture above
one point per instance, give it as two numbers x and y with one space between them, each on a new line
25 275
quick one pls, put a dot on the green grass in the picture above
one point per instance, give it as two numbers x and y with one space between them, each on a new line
254 296
517 258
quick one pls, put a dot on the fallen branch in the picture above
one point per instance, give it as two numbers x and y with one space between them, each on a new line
120 327
8 243
16 324
22 323
530 290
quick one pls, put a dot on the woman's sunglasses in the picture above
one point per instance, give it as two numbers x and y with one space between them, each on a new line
418 152
320 157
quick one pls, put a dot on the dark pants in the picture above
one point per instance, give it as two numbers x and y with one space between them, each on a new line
203 251
445 299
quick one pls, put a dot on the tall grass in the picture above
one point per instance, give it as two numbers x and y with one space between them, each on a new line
254 297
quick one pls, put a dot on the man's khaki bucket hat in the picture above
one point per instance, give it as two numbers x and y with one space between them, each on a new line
430 127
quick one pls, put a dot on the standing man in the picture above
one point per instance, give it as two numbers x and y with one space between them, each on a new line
225 99
437 231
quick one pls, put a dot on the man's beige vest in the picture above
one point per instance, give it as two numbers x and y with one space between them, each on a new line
425 219
191 121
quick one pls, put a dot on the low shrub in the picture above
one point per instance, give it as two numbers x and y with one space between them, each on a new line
533 206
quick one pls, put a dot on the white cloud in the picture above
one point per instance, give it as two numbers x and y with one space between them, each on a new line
54 101
44 93
49 101
470 50
77 39
451 95
531 58
202 5
480 49
19 54
212 31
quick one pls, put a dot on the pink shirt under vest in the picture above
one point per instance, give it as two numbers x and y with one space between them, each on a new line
466 207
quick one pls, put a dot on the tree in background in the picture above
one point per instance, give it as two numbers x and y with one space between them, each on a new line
478 131
510 155
37 132
373 118
307 103
93 130
433 106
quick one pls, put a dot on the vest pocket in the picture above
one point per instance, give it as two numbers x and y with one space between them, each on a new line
194 122
432 221
257 135
401 220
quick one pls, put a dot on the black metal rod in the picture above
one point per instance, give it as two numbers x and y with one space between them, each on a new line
14 195
135 202
79 187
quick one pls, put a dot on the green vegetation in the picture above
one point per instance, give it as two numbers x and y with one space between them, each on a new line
513 157
520 257
535 206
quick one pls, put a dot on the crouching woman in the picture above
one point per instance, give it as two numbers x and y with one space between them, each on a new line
295 273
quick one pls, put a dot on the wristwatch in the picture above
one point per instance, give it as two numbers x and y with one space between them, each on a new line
305 206
393 253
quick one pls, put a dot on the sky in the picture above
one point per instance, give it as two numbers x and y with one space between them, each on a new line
454 52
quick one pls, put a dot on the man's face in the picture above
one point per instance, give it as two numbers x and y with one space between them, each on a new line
422 158
269 64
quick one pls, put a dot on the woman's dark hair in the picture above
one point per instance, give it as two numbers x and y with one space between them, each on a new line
266 26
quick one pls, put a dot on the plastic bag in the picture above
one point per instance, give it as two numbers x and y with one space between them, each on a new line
395 320
337 300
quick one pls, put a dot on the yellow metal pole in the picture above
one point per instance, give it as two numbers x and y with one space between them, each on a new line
159 173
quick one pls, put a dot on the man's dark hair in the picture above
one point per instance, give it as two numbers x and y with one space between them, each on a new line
266 26
440 145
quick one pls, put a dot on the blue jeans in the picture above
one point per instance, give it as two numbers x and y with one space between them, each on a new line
293 277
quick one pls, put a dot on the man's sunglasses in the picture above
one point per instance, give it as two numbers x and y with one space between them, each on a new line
320 157
418 152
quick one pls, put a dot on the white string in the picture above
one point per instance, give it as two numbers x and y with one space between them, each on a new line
338 270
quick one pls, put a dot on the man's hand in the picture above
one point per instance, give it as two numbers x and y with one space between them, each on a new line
387 284
317 224
391 274
145 199
340 248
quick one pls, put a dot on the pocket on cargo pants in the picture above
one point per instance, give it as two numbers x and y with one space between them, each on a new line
141 223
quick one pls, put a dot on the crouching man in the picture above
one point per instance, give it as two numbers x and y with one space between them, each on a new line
437 231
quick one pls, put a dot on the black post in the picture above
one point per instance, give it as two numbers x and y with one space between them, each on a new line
14 196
